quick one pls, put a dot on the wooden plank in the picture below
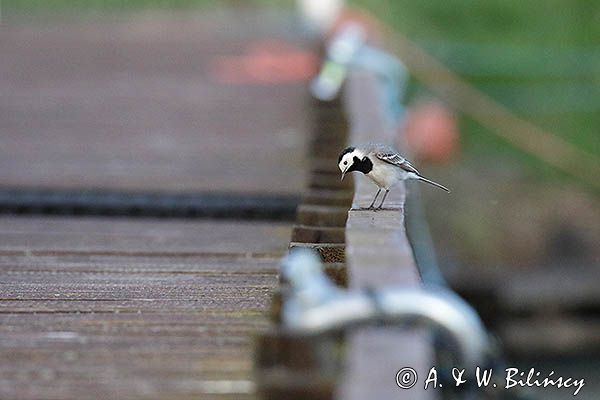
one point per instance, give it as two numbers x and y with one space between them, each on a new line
83 318
318 234
378 254
120 236
318 215
133 104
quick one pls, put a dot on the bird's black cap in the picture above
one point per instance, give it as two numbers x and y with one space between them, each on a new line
345 151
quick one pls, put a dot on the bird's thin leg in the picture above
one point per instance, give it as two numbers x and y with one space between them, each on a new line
384 196
373 202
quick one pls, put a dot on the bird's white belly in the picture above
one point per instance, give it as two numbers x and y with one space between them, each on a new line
386 176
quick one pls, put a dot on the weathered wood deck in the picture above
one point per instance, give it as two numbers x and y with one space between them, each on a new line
100 308
121 308
134 104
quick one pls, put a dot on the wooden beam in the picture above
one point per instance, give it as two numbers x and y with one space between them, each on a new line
378 254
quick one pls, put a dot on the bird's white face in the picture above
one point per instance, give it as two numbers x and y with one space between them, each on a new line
347 160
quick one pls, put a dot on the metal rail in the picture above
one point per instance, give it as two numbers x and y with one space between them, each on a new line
315 306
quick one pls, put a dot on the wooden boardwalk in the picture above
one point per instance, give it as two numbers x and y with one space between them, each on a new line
101 309
136 105
122 308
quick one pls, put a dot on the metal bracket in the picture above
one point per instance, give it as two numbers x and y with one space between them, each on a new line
315 306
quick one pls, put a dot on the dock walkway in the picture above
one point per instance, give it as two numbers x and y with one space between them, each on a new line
126 308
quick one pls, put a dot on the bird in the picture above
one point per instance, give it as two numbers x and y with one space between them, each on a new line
383 164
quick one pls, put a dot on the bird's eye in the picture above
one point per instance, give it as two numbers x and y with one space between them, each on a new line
345 162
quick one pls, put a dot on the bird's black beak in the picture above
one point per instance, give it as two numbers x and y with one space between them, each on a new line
343 174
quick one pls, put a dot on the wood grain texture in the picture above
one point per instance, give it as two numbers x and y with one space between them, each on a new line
114 308
111 309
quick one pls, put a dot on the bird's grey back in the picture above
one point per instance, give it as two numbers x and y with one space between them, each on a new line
389 155
372 147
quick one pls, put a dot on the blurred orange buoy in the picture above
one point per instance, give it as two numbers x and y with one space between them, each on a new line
265 62
431 131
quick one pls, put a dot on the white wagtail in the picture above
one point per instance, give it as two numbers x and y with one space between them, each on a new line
382 164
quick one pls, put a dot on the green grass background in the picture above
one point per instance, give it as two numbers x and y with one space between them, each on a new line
539 58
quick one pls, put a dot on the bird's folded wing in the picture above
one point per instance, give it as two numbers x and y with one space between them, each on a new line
397 160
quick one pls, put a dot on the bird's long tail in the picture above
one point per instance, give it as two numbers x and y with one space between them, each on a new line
421 178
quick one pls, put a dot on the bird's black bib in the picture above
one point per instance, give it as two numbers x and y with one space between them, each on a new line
365 165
